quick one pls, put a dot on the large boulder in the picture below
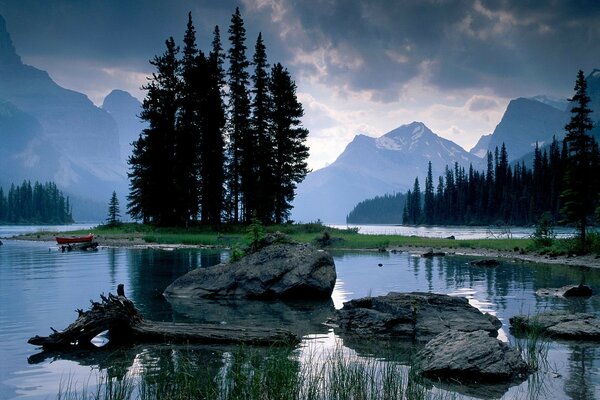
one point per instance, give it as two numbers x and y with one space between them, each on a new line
559 324
280 270
417 316
472 356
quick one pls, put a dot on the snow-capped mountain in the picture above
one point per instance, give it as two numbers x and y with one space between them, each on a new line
375 166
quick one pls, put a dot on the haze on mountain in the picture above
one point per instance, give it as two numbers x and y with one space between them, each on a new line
375 166
371 167
50 133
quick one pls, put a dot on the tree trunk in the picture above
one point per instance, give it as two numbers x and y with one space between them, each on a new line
118 316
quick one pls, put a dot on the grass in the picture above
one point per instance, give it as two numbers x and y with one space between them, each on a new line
229 236
248 373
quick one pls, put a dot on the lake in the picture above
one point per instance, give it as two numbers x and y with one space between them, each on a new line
41 287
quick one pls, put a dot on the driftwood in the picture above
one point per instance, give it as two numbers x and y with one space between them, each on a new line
125 324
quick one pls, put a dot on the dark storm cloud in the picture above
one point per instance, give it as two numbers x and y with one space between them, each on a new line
112 32
372 46
507 46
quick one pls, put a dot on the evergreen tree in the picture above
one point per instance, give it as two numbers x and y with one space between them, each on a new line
212 165
114 212
579 194
152 196
34 204
188 134
415 209
429 198
289 137
263 199
240 171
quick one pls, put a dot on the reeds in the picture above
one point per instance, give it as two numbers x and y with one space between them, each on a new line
250 373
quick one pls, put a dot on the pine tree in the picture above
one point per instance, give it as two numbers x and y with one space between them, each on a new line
415 210
241 155
290 150
212 151
188 137
152 195
114 212
429 200
263 198
579 195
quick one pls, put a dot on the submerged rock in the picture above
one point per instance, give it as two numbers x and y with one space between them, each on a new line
473 356
431 253
559 324
486 262
416 316
567 291
280 270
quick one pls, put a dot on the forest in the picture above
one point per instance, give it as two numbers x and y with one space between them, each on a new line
562 184
34 204
221 146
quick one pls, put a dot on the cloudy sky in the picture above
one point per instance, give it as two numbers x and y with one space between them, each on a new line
361 66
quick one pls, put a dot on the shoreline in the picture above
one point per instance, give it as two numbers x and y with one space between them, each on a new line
585 261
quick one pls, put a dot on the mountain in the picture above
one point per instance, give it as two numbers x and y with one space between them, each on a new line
558 103
526 122
375 166
481 148
593 82
125 110
54 133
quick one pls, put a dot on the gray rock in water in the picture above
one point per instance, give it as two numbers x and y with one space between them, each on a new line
281 270
559 324
472 356
416 316
486 262
567 291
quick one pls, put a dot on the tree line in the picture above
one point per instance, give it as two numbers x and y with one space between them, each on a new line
220 146
386 209
34 204
562 182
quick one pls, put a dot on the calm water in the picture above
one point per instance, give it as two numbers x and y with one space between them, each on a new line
41 287
459 232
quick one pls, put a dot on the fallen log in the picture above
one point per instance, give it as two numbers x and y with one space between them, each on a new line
125 324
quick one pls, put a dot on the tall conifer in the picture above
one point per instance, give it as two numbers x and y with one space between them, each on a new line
213 146
579 194
240 141
290 150
152 188
261 104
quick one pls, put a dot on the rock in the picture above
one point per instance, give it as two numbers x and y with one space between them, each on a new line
416 316
432 253
472 356
487 262
567 291
281 270
559 324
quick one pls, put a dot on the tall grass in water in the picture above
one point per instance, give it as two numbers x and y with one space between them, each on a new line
249 373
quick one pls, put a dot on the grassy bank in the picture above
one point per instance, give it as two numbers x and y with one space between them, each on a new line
228 236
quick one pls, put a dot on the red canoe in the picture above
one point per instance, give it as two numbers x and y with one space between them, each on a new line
74 239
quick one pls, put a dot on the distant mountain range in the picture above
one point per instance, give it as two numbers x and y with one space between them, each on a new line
49 133
375 166
371 167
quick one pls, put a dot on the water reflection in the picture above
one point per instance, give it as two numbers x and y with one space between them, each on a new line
39 289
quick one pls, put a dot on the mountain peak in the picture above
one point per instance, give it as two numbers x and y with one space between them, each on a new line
8 54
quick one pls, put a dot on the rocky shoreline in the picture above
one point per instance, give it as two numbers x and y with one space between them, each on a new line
586 261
